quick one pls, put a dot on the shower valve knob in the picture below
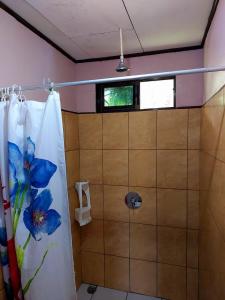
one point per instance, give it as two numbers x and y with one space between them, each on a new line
133 200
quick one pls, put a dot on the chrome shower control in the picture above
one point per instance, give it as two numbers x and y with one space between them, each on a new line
133 200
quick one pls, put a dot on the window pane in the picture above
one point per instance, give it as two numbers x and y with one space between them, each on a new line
159 93
118 96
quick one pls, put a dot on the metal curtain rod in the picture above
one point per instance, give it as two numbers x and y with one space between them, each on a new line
159 75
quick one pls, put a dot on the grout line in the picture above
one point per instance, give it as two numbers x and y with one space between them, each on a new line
141 259
148 109
146 187
157 238
103 192
129 287
187 200
148 224
211 155
137 149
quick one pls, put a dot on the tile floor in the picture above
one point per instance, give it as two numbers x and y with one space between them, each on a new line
110 294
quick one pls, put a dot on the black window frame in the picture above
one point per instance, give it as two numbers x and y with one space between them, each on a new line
100 108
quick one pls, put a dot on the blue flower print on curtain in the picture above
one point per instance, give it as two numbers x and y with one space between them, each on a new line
38 218
27 170
3 236
28 174
3 242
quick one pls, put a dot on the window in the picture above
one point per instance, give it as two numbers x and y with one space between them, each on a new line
157 93
135 95
116 96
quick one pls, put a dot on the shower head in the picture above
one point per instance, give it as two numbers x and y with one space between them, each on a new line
121 66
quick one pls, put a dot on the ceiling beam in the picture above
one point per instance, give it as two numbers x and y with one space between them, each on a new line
210 19
35 30
44 37
180 49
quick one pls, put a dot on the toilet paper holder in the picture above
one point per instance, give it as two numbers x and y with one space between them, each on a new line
83 213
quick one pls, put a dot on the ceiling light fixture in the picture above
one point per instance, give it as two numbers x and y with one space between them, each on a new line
121 66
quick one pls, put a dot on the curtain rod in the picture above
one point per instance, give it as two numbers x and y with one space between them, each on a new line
157 75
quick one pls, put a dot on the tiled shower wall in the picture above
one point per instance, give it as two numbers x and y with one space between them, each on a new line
70 124
152 250
212 199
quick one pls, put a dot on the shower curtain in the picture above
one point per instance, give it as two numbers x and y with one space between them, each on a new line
35 238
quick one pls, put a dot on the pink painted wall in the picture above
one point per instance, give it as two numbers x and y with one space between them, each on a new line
189 87
27 59
214 52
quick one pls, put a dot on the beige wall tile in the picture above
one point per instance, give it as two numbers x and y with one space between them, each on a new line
72 167
73 203
142 168
71 131
172 207
76 238
92 236
63 121
116 237
206 288
78 270
143 242
115 207
115 131
211 260
193 169
90 131
192 249
192 284
146 214
212 246
172 169
64 127
172 246
193 209
91 166
142 130
207 163
143 277
93 268
194 122
117 273
171 282
216 195
220 154
115 167
211 124
96 193
172 129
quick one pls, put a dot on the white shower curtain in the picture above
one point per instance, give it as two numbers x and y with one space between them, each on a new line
35 238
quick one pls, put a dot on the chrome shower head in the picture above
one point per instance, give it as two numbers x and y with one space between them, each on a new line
121 66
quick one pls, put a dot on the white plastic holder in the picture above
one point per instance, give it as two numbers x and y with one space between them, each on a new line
83 213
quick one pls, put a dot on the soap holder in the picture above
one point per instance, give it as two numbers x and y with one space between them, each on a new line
83 213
